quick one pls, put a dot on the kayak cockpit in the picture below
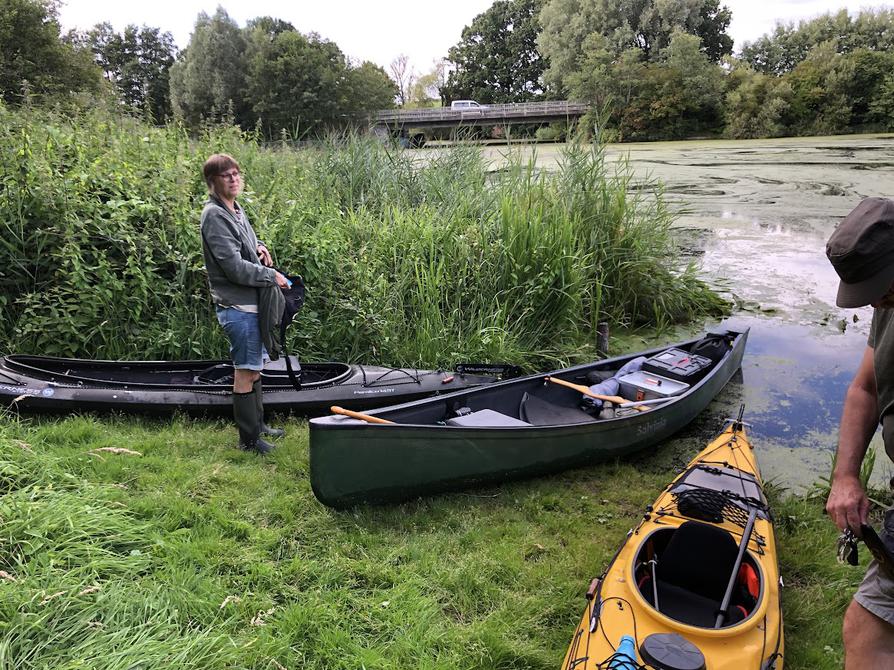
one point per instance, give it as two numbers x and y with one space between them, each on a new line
275 374
684 572
160 374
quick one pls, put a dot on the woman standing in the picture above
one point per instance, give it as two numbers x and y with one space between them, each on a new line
237 265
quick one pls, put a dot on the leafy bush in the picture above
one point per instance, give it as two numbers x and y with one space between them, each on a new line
405 262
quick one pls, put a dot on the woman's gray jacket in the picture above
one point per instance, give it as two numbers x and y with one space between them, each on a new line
230 248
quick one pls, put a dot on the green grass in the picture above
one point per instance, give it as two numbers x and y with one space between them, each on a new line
196 555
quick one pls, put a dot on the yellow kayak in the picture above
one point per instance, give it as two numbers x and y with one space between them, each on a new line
695 586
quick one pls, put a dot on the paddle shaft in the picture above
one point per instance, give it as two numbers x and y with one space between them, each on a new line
335 409
641 403
580 388
743 545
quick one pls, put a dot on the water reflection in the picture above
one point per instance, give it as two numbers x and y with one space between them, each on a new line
793 383
760 240
761 243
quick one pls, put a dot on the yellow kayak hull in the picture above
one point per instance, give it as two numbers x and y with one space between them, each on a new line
720 492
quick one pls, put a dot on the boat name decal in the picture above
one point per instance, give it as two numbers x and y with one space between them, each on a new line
368 391
24 390
651 426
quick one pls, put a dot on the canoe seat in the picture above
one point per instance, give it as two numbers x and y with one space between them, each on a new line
693 572
539 412
486 418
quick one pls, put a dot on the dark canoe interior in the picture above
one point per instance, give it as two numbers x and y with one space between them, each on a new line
534 402
173 374
688 568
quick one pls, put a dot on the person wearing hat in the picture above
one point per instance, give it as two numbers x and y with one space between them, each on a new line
862 252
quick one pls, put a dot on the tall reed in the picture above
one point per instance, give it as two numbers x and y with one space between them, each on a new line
408 260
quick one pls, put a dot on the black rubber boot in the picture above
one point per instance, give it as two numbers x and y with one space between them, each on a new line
259 400
245 411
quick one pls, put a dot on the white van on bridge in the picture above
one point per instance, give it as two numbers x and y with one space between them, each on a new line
468 106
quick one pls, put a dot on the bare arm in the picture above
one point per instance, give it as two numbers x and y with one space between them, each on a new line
847 504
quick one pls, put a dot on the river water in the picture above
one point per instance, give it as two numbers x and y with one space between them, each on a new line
756 215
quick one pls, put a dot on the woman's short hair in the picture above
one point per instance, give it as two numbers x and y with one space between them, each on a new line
216 165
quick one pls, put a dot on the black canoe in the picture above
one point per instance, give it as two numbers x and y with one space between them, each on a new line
526 427
46 384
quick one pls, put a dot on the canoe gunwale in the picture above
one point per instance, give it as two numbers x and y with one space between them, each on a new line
385 412
32 372
345 373
360 387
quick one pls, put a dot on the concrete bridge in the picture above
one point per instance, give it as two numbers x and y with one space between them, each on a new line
413 123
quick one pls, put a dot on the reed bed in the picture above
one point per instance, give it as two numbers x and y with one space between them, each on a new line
412 258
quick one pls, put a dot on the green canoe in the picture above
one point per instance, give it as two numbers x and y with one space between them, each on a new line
518 428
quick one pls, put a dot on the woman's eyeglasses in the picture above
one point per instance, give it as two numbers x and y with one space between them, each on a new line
233 175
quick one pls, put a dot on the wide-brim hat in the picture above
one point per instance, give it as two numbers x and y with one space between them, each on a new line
862 252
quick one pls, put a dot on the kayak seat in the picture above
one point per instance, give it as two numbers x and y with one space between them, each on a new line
693 572
539 412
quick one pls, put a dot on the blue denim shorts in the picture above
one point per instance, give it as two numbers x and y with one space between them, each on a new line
246 347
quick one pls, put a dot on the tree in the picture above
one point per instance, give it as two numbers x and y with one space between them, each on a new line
33 55
663 100
368 88
269 26
427 90
881 109
756 104
296 83
701 80
646 25
869 71
646 95
208 79
788 45
137 62
404 77
820 104
497 60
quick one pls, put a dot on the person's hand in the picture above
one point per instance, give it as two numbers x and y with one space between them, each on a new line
264 256
281 281
848 505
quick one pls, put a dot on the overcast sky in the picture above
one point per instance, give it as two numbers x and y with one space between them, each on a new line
380 30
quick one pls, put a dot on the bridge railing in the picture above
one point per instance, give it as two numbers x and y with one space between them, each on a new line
512 111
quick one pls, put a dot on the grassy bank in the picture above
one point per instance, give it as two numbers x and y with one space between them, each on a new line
411 263
188 553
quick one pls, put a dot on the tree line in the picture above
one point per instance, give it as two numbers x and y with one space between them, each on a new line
666 70
266 75
649 69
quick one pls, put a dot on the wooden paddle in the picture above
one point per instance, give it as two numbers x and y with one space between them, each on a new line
616 399
335 409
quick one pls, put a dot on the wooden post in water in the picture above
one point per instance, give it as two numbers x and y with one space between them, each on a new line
602 339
